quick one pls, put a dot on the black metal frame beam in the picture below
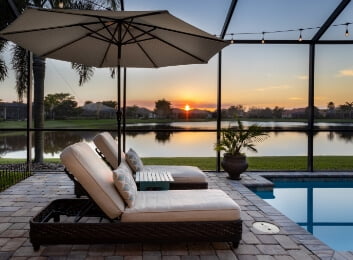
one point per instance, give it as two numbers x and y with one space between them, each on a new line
330 20
219 79
228 18
315 40
311 91
311 116
29 96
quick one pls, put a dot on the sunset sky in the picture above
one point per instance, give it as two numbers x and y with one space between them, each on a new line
259 75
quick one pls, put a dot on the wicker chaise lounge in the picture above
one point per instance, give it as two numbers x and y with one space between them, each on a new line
130 215
185 177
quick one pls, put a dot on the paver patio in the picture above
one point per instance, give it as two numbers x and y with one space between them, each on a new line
22 201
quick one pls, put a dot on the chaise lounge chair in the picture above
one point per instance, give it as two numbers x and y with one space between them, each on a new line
130 215
185 177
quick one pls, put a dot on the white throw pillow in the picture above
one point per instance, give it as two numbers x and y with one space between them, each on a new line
125 184
134 160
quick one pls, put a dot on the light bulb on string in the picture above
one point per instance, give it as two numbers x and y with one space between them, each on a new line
232 40
300 35
347 32
263 38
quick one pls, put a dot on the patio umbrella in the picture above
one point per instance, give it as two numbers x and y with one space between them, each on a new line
140 39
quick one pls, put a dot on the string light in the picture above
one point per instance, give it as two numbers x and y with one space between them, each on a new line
300 35
232 40
300 39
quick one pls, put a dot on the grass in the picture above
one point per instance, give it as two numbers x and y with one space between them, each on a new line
267 163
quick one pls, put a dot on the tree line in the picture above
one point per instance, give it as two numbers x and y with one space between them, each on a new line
63 105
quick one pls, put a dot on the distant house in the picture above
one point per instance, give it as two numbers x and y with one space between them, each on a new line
139 112
98 110
178 113
198 113
294 113
145 113
13 111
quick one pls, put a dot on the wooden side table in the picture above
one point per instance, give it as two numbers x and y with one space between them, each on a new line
153 180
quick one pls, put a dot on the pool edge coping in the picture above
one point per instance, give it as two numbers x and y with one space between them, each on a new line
260 179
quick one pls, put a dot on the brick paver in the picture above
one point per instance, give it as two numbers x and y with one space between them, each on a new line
22 201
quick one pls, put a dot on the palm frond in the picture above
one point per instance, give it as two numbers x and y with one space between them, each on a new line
20 66
85 72
3 67
112 72
235 138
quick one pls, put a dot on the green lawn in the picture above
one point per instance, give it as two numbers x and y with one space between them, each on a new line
270 163
267 163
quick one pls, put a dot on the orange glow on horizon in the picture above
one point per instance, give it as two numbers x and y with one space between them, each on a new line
187 107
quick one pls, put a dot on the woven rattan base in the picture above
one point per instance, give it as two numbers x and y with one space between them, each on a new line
55 225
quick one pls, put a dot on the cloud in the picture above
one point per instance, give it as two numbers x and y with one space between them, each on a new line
346 73
303 77
273 87
296 98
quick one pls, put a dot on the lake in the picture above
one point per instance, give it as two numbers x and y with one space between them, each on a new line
190 144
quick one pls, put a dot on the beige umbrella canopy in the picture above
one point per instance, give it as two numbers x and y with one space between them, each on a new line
140 39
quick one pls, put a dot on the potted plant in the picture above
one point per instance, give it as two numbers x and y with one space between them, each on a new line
233 140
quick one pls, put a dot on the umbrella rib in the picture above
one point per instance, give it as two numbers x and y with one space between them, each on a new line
110 43
173 45
135 39
99 35
126 29
143 50
49 28
132 17
73 41
181 32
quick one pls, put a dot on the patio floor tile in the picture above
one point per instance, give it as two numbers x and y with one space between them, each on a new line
22 201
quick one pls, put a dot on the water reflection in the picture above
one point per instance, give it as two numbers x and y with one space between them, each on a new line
10 141
169 141
324 208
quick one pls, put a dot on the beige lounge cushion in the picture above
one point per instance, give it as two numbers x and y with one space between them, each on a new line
95 176
180 173
107 145
182 205
125 184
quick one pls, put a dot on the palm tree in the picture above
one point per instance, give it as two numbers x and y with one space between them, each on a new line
331 106
19 60
3 67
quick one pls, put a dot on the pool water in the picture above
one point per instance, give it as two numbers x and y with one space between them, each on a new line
324 208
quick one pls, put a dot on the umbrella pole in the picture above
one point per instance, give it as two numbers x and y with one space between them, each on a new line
118 114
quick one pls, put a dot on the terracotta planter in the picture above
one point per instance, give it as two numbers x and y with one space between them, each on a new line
234 165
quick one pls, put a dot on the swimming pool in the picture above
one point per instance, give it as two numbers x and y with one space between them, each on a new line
324 208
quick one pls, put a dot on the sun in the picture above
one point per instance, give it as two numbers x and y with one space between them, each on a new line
187 108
